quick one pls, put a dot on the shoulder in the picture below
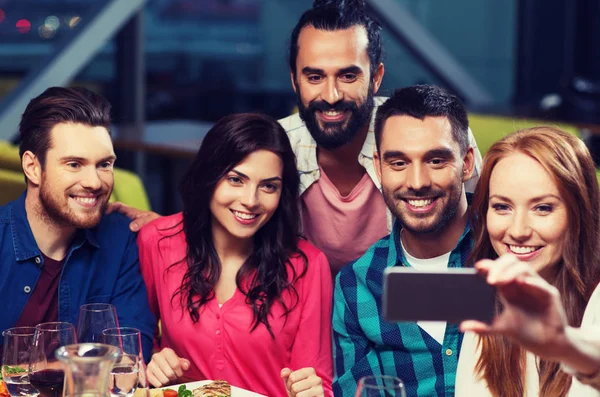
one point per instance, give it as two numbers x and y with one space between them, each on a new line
165 226
375 256
315 257
291 122
114 225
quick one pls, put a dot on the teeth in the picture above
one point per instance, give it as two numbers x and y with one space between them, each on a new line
517 249
332 113
243 215
86 200
420 203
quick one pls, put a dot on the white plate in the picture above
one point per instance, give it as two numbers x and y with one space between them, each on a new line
235 391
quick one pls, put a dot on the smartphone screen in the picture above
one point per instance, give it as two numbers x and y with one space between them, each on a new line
451 295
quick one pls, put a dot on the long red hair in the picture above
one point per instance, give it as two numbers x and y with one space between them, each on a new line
567 160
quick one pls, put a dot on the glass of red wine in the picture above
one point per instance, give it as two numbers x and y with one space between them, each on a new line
46 373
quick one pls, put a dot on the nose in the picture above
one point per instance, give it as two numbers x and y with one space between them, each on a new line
90 179
520 228
330 93
249 198
418 177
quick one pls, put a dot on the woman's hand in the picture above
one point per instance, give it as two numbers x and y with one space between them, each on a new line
302 383
532 315
166 367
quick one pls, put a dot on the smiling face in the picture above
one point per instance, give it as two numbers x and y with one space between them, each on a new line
333 83
422 172
247 197
527 215
77 178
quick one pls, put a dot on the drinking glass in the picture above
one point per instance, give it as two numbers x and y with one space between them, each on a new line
129 372
15 361
380 385
46 374
93 319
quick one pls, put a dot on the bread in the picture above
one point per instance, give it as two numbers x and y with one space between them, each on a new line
218 388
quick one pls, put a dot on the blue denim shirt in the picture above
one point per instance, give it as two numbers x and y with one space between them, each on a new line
102 266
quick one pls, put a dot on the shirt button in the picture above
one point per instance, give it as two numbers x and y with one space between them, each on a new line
27 289
218 316
448 352
218 332
37 260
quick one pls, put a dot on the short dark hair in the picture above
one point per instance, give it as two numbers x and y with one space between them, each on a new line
334 15
420 101
59 105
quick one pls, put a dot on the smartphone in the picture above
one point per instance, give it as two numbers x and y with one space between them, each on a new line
451 295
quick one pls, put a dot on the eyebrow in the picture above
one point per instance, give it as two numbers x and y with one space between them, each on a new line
242 175
534 200
438 152
348 69
85 160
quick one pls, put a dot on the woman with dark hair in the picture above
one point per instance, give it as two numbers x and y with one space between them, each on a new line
241 296
537 220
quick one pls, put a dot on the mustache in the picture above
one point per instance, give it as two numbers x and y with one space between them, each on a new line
416 194
340 106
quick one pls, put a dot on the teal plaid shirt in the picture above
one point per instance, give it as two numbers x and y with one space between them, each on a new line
366 344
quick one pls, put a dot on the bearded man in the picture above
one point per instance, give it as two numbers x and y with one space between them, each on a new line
58 249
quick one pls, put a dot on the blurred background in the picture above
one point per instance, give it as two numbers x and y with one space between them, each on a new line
173 67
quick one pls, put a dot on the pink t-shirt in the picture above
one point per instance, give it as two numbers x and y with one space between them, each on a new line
220 345
343 227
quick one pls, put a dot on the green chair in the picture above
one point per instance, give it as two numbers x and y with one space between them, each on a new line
489 129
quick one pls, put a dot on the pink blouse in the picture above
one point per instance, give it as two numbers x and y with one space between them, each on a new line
220 345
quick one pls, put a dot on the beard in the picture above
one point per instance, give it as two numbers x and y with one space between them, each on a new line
333 135
424 223
60 213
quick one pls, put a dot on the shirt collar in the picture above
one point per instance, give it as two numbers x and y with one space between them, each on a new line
24 242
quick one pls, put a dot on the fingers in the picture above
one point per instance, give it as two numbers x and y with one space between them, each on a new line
141 219
302 383
166 367
474 326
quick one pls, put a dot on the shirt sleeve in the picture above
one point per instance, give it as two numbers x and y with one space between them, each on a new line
131 300
353 355
312 345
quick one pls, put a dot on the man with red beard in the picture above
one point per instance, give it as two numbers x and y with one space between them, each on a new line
422 159
58 249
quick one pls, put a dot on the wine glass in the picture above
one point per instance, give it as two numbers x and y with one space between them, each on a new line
46 374
93 319
15 361
129 372
380 385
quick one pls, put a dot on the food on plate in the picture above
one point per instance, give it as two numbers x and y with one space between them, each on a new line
169 393
218 388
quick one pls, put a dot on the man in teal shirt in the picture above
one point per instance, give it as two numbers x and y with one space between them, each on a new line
422 159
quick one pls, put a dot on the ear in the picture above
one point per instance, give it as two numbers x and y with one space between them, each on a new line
31 167
377 164
378 77
293 79
468 164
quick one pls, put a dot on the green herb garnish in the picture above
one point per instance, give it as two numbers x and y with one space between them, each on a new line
184 392
7 369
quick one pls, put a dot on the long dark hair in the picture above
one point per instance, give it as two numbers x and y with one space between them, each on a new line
570 164
266 274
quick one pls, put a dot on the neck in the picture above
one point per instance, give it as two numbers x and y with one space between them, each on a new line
345 155
52 238
439 242
231 251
